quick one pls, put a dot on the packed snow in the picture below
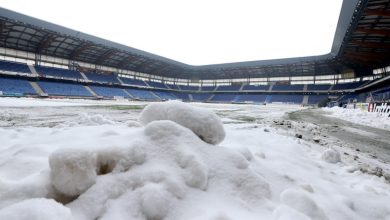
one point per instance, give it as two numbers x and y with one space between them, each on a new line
121 163
373 119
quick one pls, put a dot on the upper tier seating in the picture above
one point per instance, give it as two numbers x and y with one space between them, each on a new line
200 97
100 77
298 99
208 88
14 67
346 86
109 91
64 89
251 98
57 72
223 98
315 99
135 82
229 88
8 85
165 95
287 88
157 85
191 88
315 87
142 94
256 88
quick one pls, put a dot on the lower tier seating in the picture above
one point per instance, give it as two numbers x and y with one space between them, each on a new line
64 89
11 86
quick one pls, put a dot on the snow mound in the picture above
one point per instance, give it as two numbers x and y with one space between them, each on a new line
162 168
203 122
36 209
331 156
301 202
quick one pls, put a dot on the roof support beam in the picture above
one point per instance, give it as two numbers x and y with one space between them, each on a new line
106 55
45 43
75 53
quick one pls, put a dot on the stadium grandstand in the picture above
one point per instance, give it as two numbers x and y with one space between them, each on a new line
41 59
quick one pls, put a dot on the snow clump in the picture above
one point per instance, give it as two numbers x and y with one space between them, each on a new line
203 122
331 156
36 209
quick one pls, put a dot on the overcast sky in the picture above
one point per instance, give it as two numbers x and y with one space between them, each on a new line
199 32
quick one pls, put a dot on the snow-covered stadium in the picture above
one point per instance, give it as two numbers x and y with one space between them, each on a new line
93 129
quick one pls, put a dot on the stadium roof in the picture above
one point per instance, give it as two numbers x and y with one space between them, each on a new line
361 43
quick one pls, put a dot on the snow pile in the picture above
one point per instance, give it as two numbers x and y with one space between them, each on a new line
36 209
331 156
373 119
204 123
164 165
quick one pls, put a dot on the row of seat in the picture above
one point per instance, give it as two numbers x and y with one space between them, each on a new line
113 78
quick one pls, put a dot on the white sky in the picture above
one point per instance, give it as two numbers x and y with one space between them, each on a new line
199 32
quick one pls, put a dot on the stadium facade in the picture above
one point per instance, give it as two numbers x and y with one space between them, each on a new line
41 59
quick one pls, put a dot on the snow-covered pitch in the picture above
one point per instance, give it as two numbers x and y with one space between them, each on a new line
111 161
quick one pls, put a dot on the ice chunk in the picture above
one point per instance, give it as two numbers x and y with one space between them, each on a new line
36 209
72 170
331 156
204 123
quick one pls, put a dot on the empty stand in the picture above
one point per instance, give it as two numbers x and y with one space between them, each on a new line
57 72
165 95
157 85
100 77
287 88
223 98
315 99
255 88
200 97
208 88
64 89
108 91
12 86
347 86
257 98
135 82
229 88
142 94
297 99
14 67
315 87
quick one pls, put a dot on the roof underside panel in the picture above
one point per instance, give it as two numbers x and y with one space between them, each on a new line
361 43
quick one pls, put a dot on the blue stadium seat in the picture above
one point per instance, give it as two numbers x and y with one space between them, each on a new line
142 94
189 88
173 86
315 87
100 77
182 96
200 97
346 86
297 99
257 98
14 67
108 91
64 89
287 88
223 98
208 88
256 88
315 99
229 88
57 72
165 95
135 82
8 85
157 85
